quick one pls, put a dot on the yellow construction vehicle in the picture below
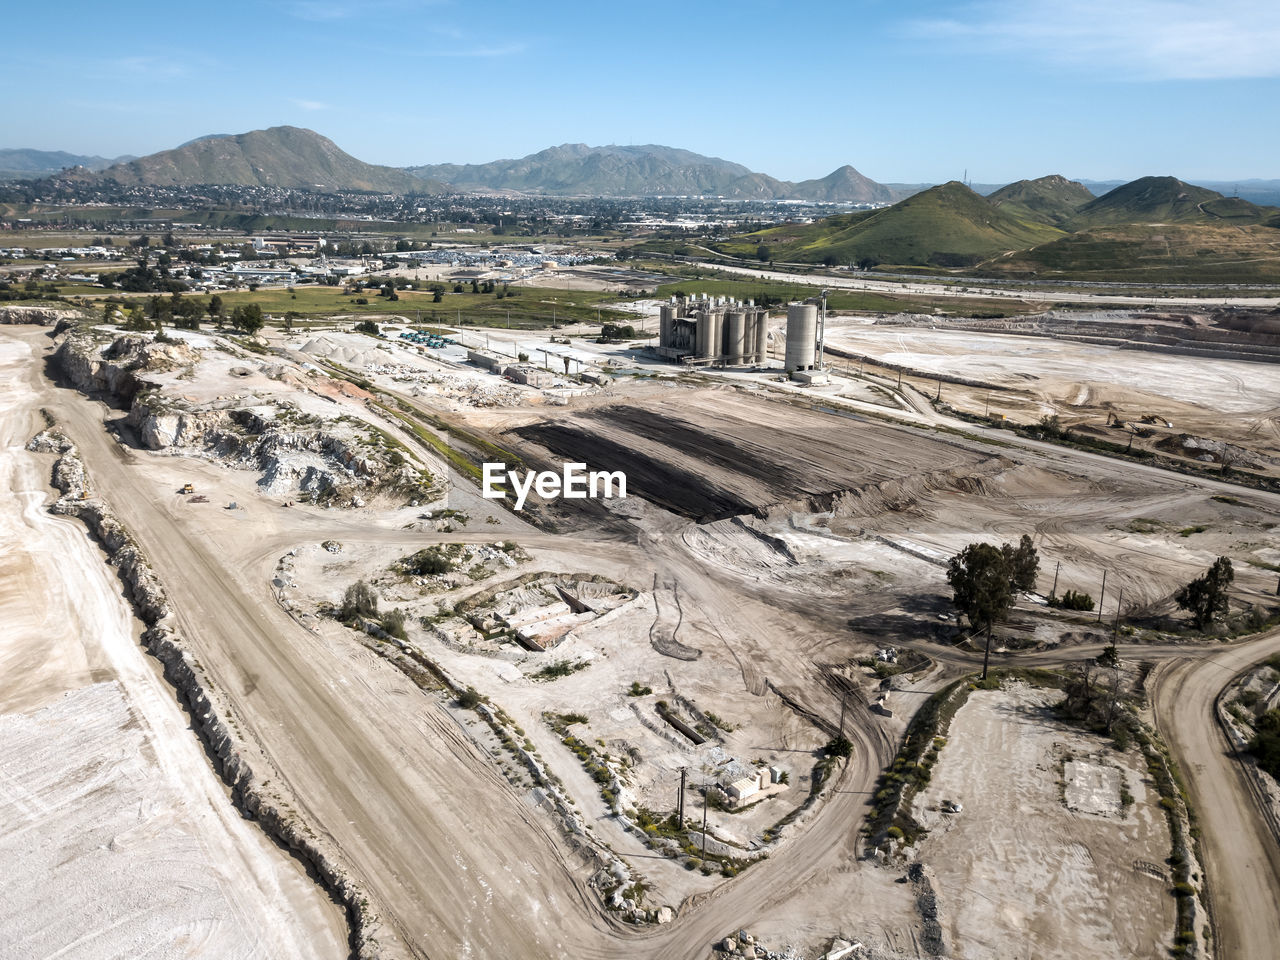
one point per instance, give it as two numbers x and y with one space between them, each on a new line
187 488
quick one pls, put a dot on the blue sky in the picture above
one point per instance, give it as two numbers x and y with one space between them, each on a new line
904 91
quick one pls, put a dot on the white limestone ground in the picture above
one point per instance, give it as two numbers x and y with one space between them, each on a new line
117 839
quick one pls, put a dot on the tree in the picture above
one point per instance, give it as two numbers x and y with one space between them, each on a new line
359 600
248 318
1024 564
215 306
1205 598
764 253
983 588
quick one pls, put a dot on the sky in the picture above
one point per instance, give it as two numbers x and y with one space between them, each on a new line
904 91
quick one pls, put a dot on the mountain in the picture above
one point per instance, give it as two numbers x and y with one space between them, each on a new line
1166 200
1053 199
845 183
575 169
290 157
21 164
944 226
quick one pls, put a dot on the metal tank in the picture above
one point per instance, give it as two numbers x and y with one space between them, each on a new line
802 336
762 336
666 320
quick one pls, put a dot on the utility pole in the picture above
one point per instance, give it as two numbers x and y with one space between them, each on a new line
987 407
680 799
704 822
1054 592
1102 596
844 699
1115 628
939 396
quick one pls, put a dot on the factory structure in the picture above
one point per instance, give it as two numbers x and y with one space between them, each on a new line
721 331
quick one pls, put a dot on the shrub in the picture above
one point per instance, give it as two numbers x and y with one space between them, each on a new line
470 698
1072 601
839 747
359 600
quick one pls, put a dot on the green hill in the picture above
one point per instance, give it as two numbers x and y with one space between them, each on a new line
945 226
1152 253
278 157
1053 199
1167 200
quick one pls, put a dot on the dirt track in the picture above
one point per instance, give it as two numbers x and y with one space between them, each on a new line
1242 858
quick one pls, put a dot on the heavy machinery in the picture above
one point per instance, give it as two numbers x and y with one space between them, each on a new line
187 488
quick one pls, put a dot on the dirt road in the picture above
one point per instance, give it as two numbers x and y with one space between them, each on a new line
114 831
1242 857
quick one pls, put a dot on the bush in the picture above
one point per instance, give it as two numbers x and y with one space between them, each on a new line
393 623
368 326
839 747
470 698
1072 601
359 600
636 690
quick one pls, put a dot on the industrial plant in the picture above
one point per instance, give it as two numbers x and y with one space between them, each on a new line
720 331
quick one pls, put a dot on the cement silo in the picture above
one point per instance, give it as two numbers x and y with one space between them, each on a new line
802 336
712 323
762 336
737 335
666 320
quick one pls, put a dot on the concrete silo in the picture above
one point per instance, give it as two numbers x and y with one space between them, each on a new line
802 336
737 335
762 336
712 322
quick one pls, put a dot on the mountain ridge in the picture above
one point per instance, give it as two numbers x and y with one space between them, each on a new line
290 157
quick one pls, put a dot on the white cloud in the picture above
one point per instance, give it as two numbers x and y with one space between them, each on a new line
1127 39
310 105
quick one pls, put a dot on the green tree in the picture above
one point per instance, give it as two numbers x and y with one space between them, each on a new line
215 307
247 318
1024 563
1205 598
764 253
359 600
980 579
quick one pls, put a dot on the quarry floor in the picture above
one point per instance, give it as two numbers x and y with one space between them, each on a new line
1019 874
458 861
117 838
1231 400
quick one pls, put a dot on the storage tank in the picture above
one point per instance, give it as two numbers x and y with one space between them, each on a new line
802 336
701 337
762 336
712 320
737 335
666 320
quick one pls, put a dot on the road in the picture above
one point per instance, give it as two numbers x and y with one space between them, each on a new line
971 292
1242 860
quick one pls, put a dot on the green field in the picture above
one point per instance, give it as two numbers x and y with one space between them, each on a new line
534 308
